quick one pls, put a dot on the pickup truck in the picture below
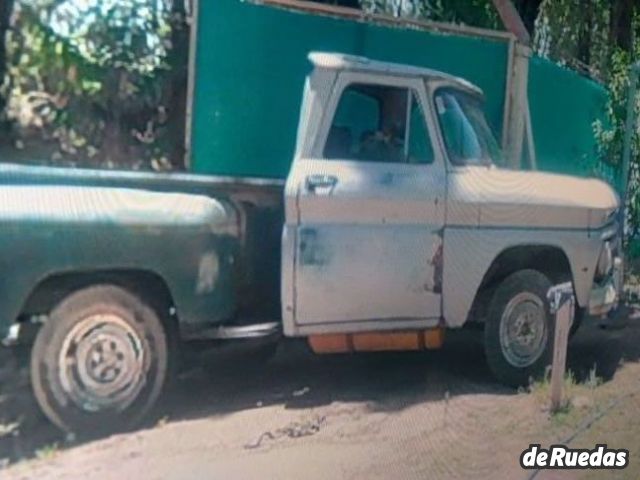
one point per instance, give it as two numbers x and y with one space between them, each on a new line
395 223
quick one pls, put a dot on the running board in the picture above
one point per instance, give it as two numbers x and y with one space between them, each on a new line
239 332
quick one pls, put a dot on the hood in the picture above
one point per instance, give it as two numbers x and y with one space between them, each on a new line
496 197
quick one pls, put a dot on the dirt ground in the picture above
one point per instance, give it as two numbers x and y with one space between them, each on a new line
428 415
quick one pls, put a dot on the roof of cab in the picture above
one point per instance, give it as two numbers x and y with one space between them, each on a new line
334 61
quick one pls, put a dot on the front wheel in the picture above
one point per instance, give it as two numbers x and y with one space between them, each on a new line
99 363
519 329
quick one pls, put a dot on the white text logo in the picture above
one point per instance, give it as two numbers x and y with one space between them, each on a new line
560 457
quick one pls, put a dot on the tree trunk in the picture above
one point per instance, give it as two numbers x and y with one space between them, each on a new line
620 32
176 85
584 34
528 10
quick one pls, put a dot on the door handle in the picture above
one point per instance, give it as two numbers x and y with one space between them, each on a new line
314 182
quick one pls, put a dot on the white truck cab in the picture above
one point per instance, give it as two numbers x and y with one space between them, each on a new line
401 222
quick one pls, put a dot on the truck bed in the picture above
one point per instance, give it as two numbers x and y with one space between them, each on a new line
258 202
265 190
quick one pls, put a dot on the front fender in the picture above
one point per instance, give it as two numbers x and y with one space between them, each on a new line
469 253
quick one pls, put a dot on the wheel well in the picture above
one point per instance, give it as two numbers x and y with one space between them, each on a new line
551 261
146 284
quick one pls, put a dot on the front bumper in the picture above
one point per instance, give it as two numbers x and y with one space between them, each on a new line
605 297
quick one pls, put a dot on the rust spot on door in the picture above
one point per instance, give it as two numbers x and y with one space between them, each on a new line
436 262
312 252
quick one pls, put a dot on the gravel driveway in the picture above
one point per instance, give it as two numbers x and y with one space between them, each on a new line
428 415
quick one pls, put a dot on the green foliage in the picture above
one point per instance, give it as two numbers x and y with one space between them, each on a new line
574 33
470 12
100 83
131 35
610 134
578 33
88 79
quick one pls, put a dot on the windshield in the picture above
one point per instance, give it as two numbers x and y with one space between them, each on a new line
467 135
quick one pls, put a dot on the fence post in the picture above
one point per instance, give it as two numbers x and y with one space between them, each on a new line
562 307
515 120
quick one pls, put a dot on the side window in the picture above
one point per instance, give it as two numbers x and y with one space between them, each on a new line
376 123
459 134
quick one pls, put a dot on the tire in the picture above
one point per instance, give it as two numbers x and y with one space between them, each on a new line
100 362
519 329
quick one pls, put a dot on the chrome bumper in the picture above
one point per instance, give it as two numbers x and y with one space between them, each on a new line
604 298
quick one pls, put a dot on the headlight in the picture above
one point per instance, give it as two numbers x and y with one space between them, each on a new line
605 262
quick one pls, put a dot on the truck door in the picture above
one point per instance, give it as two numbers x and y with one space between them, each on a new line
364 234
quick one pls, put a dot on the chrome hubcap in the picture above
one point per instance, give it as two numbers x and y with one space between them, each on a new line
523 330
102 363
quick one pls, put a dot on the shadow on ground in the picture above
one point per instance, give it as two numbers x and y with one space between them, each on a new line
603 346
297 379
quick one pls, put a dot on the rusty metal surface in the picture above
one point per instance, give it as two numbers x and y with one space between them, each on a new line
186 240
364 251
393 341
360 251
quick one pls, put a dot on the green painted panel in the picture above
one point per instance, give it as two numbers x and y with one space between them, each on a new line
564 106
481 61
251 65
252 60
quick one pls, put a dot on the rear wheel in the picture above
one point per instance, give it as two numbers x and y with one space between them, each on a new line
100 361
518 332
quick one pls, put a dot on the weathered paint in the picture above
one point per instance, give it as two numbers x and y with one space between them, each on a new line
372 233
330 343
388 247
186 229
463 274
54 230
434 338
313 251
208 272
396 246
436 263
491 210
430 339
492 197
389 341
